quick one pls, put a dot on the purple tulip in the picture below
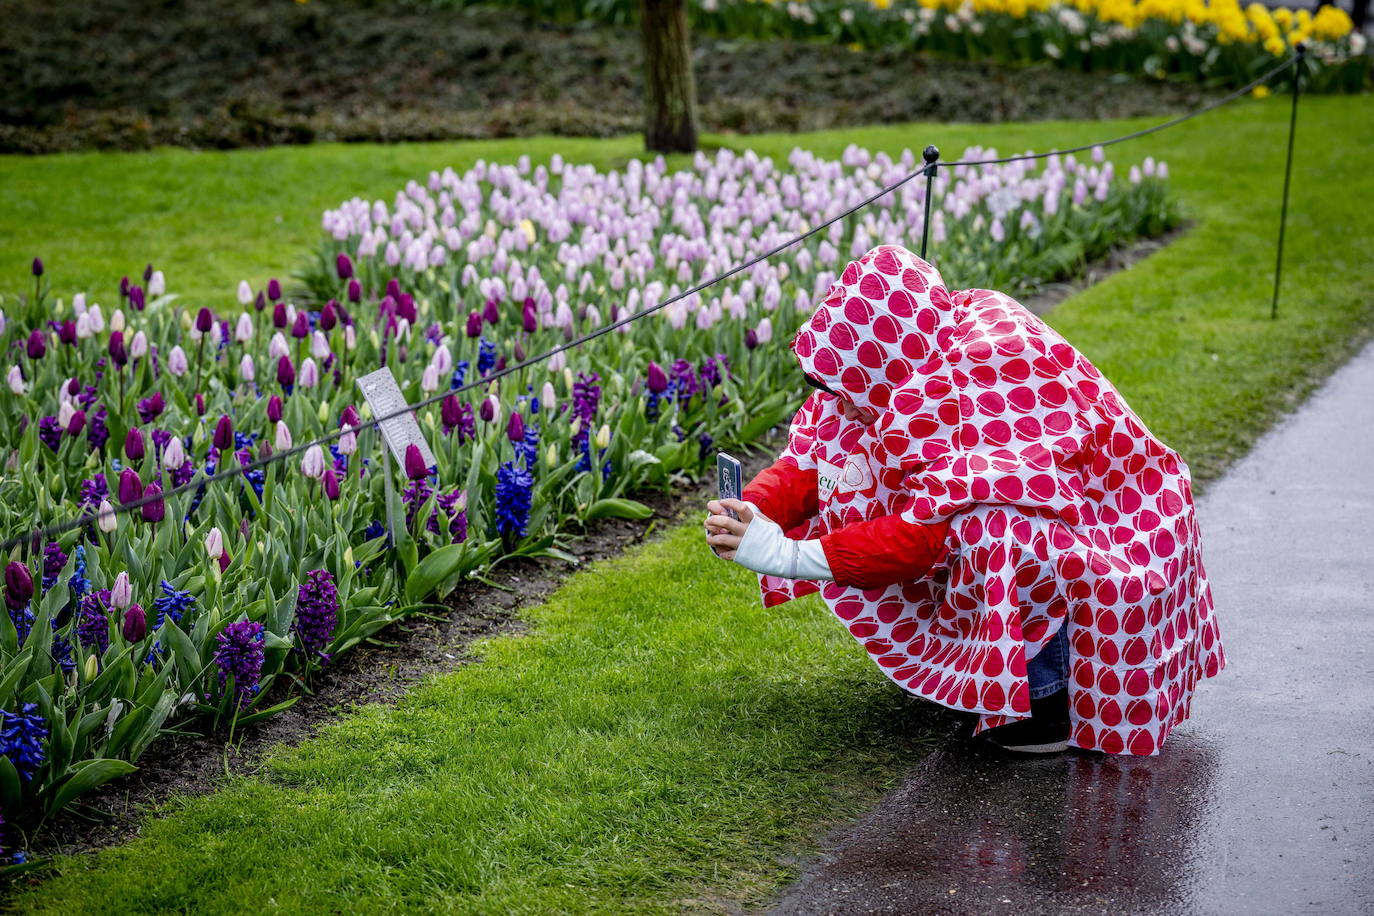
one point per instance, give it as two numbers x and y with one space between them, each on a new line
135 623
37 346
286 372
66 332
224 434
133 446
330 481
405 307
148 273
344 265
260 302
279 315
393 288
529 317
205 320
136 297
274 409
123 287
18 585
450 411
415 463
200 404
130 486
150 408
492 313
301 326
474 324
487 411
118 352
156 510
329 315
515 427
656 379
355 290
350 417
273 289
38 267
751 339
76 424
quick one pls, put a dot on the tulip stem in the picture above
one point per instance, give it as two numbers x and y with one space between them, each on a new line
200 361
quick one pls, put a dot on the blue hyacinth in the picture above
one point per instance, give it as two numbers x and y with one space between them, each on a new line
514 488
460 372
21 739
486 356
172 602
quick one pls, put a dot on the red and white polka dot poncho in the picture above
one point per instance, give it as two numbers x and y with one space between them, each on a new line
1061 507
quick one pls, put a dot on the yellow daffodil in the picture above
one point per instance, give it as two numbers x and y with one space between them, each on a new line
1260 92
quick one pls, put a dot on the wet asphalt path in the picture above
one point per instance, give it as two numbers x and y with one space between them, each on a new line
1262 803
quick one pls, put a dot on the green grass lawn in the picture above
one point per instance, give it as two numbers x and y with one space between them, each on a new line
655 740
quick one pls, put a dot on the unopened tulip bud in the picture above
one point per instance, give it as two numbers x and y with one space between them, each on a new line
330 482
286 372
121 592
18 585
350 338
135 624
205 320
300 327
655 379
177 364
243 328
38 267
515 428
355 290
37 345
415 463
224 433
552 454
273 289
214 543
343 264
603 436
274 408
156 510
92 667
76 424
283 437
105 518
130 486
312 462
133 445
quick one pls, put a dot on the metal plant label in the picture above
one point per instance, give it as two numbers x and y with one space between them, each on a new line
385 398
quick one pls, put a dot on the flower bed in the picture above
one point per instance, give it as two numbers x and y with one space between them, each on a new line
1212 40
193 606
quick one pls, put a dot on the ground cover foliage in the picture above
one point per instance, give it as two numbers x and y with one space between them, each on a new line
1185 335
132 75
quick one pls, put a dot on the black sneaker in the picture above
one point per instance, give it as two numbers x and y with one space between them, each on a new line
1045 732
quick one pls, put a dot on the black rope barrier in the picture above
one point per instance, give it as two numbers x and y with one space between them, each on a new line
928 169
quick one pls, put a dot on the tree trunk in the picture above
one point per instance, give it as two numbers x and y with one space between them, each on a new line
670 92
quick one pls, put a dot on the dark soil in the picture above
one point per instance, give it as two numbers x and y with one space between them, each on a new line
133 74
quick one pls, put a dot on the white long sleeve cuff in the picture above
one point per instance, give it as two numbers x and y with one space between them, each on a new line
766 549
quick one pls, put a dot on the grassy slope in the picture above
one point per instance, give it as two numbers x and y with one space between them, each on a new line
655 736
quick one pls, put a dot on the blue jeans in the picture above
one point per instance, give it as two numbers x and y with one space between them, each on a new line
1048 672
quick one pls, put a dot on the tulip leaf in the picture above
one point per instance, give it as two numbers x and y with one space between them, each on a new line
270 711
87 776
432 570
10 792
617 507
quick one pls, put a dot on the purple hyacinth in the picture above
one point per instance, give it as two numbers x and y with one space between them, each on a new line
92 626
50 432
99 431
239 655
458 522
21 739
586 397
54 561
150 408
513 496
685 380
94 489
317 611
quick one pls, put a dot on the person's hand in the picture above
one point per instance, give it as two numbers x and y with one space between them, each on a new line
724 533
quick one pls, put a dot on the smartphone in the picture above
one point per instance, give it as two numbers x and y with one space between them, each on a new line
730 477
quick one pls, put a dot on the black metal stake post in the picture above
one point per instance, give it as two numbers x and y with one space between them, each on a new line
931 155
1300 50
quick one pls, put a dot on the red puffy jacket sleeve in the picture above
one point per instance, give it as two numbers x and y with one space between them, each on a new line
867 554
785 493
